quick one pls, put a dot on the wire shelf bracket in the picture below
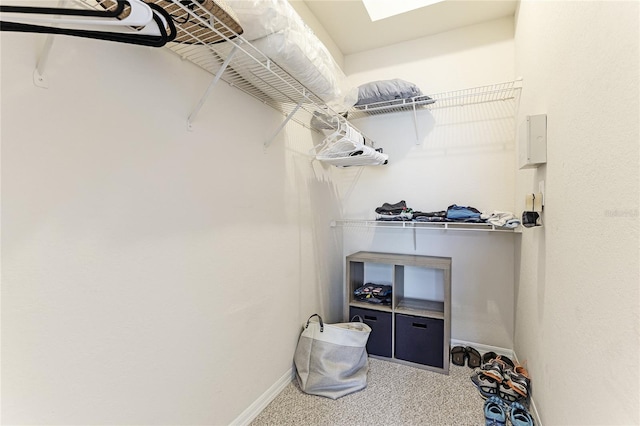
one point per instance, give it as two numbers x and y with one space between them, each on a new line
284 123
39 79
213 83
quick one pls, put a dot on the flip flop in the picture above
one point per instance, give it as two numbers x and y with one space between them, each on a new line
458 355
473 357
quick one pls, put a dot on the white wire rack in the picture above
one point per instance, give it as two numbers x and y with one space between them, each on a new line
425 226
211 44
442 226
476 95
214 46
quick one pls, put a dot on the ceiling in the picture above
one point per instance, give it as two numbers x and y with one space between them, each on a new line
348 23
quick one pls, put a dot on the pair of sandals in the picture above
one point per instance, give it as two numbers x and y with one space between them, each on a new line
461 354
501 378
496 413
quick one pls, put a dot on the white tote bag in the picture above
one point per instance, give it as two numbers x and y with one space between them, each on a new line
331 359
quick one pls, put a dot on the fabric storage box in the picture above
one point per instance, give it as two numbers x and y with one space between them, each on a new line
380 322
420 340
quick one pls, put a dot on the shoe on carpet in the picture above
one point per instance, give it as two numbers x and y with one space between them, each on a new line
458 355
488 356
509 392
495 413
473 357
519 416
486 385
495 370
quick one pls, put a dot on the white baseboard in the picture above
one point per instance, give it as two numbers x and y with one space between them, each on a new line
259 404
484 348
533 410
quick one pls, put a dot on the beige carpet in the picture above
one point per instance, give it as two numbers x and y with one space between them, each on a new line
395 395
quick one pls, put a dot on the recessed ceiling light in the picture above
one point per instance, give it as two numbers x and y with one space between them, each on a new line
381 9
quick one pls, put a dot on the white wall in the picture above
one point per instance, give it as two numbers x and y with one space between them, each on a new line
577 304
465 156
310 19
150 275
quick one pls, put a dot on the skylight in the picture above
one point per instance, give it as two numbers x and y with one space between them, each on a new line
381 9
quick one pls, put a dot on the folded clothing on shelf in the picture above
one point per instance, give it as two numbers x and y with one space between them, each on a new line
454 213
396 208
461 212
498 218
439 216
394 212
374 293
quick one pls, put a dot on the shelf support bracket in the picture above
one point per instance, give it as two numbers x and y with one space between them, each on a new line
213 83
415 123
415 245
39 79
284 123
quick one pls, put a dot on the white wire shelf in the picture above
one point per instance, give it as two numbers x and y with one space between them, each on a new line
476 95
437 226
212 45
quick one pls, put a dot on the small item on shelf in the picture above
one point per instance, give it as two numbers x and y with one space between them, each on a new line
394 212
374 293
464 214
386 90
504 219
440 216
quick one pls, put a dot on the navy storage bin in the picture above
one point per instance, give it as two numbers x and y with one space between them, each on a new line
420 340
380 322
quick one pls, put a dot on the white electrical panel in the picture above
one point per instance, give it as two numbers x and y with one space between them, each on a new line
532 141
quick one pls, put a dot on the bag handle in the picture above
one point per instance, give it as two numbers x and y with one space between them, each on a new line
358 317
319 318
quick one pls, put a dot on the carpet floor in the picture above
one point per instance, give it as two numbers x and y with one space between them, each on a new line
395 395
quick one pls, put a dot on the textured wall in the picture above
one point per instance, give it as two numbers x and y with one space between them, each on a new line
150 275
577 305
465 156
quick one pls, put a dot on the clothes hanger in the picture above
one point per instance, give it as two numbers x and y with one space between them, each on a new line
140 14
120 4
161 21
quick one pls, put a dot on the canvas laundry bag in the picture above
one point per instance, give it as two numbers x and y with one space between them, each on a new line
331 359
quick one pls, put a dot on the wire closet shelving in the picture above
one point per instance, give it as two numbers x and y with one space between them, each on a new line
475 95
213 45
441 226
423 226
